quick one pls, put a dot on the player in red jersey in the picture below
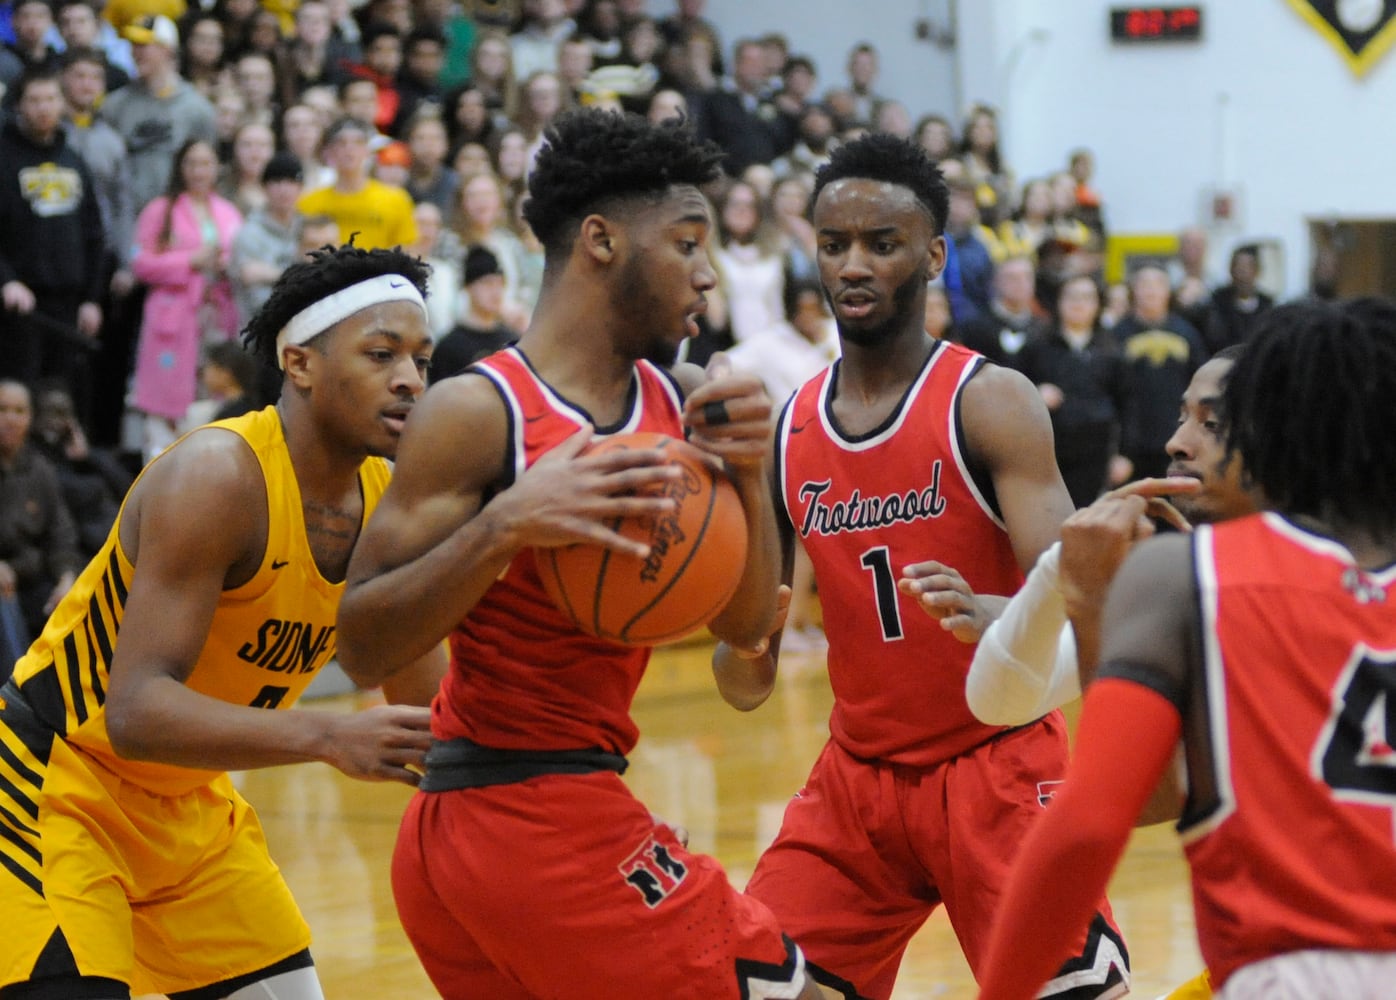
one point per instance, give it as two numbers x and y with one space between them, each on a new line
1268 644
908 449
526 868
1027 663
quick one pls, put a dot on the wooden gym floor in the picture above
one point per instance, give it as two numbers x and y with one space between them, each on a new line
724 775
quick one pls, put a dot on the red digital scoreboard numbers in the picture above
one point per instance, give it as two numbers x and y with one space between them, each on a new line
1155 24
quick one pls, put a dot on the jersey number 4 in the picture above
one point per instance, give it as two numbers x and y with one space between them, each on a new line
1354 755
269 697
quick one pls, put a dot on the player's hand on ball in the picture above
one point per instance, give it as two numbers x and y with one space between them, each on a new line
687 563
942 593
730 416
569 495
384 743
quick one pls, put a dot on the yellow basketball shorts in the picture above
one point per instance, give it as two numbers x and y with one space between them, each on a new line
99 877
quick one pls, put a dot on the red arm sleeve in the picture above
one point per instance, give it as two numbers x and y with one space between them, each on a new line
1124 742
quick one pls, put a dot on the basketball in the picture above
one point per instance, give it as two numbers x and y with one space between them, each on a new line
697 554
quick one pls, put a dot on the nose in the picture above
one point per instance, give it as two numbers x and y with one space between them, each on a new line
1180 446
705 274
855 265
408 379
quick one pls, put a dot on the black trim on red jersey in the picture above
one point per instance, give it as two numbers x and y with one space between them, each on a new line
778 466
892 416
980 475
672 380
632 395
506 474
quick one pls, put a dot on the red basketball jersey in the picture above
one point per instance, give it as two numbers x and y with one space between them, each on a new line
1300 671
866 507
522 675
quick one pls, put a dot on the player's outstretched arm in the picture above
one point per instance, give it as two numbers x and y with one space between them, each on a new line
1026 664
1125 742
729 415
195 523
434 545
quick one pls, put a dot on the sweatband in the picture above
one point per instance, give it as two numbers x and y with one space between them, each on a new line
324 313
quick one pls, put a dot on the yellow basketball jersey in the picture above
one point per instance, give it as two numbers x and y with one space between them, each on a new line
268 639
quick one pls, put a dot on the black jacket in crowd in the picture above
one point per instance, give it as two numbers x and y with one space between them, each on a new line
1092 382
51 234
1159 361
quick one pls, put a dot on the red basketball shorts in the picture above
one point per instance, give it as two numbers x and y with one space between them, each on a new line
868 850
564 886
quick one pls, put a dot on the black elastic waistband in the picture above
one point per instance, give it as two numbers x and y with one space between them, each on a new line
18 716
16 707
459 763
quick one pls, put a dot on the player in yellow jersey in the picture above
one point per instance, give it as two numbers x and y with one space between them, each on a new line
127 859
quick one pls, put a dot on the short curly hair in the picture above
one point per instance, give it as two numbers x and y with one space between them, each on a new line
880 156
594 157
327 271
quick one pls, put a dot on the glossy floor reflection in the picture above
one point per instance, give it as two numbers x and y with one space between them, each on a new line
723 775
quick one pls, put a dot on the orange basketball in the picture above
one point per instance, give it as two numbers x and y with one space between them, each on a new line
697 554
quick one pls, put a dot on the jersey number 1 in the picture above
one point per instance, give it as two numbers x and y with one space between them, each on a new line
878 561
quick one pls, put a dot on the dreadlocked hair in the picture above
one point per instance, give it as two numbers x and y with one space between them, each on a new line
1309 409
328 270
880 156
593 158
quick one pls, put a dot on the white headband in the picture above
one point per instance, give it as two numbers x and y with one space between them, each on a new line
324 313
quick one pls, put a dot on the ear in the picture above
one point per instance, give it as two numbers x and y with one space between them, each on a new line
935 258
299 365
598 238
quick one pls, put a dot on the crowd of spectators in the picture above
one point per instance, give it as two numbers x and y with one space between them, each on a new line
161 164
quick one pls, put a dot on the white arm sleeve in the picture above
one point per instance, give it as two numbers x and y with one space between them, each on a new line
1025 663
